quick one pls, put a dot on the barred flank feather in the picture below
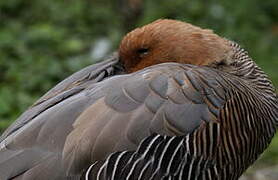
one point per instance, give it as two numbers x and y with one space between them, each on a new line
216 150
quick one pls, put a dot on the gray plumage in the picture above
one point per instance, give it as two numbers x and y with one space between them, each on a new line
221 148
225 121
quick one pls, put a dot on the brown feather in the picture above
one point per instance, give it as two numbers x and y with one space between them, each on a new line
172 41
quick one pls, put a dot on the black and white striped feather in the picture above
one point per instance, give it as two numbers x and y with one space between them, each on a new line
222 149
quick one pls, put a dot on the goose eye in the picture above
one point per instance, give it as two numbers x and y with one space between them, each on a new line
221 63
143 51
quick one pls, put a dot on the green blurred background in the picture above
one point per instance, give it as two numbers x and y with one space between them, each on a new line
42 42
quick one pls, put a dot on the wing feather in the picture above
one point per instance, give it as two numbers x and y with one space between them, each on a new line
115 114
168 100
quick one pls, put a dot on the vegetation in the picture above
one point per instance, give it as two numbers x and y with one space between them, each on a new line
42 42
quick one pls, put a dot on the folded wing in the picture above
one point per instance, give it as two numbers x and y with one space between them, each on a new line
70 128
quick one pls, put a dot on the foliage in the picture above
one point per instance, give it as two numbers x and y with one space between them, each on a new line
42 42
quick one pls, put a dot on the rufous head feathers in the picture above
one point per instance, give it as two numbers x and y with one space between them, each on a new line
171 41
